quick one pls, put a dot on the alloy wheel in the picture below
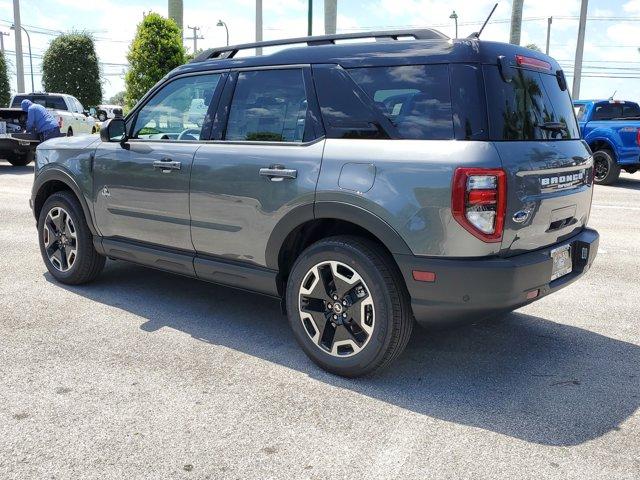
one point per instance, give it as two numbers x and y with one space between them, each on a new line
336 308
601 167
60 239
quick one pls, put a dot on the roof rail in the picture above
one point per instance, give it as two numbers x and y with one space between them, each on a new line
231 51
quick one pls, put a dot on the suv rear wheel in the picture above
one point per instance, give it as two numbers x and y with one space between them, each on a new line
348 307
66 243
606 169
20 159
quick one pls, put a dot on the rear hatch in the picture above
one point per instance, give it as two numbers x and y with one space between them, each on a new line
549 169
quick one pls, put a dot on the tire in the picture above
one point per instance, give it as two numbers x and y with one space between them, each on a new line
363 343
102 116
606 169
20 159
81 267
70 133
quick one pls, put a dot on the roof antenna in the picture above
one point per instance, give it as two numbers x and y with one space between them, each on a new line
613 94
477 34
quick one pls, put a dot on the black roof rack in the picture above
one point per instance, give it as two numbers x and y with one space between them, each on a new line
232 50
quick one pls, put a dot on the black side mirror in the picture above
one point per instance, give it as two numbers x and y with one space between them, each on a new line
114 130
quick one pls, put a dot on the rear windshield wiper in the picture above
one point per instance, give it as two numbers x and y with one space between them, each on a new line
552 126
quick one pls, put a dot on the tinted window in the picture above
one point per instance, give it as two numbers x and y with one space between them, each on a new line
520 109
607 111
178 111
268 106
630 110
345 109
469 106
48 101
415 98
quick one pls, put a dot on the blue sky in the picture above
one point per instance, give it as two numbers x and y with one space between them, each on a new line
611 49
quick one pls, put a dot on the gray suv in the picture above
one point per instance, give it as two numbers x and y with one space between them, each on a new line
368 185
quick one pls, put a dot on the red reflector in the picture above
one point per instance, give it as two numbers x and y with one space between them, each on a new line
532 294
483 197
421 276
523 61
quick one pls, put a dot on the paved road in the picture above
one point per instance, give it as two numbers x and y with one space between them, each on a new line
147 375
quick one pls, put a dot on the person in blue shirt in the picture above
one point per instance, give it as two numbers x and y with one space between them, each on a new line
40 121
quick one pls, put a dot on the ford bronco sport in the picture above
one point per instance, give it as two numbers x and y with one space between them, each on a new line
366 184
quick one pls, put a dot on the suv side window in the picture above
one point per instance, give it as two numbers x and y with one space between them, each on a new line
268 106
178 111
415 98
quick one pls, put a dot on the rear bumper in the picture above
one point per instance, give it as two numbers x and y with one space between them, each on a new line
476 288
12 145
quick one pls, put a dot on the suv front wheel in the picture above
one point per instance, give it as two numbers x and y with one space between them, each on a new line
348 306
66 243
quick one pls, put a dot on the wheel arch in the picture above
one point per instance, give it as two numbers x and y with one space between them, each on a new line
596 144
52 181
308 224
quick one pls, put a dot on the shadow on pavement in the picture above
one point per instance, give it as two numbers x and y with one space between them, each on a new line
521 376
626 182
7 169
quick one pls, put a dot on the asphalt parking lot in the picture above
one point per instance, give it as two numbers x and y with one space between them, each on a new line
144 374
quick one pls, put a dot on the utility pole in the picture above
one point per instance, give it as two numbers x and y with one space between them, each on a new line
18 39
330 16
2 35
549 22
310 18
259 25
577 67
195 37
516 22
175 10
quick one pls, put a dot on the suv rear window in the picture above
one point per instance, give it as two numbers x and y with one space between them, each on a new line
415 98
518 108
54 102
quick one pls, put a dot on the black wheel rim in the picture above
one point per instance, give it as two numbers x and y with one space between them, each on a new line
601 167
336 309
59 238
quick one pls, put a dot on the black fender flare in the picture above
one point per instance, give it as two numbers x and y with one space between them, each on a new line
338 211
55 174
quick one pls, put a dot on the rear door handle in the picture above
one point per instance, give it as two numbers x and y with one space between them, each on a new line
166 165
277 173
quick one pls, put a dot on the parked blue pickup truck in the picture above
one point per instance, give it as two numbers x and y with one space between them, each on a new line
612 130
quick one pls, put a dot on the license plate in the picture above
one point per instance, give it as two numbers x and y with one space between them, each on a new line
561 258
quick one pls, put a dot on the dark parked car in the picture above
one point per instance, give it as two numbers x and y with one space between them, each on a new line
368 185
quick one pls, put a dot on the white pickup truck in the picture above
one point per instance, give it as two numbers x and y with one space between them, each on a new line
17 146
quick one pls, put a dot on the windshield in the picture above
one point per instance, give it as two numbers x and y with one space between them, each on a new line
529 107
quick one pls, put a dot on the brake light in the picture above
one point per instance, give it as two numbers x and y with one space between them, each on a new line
478 201
523 61
60 123
638 136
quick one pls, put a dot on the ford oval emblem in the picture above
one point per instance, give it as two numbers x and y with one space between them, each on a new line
521 216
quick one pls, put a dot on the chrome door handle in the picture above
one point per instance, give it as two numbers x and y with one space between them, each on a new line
277 173
166 165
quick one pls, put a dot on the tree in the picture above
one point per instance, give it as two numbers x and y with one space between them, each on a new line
117 99
155 51
70 65
5 91
533 46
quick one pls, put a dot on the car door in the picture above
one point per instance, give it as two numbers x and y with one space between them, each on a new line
263 163
141 188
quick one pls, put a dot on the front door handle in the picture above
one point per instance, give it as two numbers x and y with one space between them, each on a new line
277 173
166 165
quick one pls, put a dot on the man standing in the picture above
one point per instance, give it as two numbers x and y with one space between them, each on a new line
40 121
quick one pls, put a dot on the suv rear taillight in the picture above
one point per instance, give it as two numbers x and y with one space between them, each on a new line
638 136
478 201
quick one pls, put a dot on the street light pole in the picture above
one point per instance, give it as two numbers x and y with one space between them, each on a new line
18 40
223 24
549 22
258 25
310 19
454 16
13 27
2 35
577 67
